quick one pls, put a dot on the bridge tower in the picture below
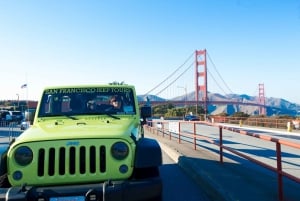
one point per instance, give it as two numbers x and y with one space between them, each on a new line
201 78
261 99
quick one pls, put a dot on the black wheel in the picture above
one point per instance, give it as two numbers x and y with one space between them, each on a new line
3 171
145 173
4 183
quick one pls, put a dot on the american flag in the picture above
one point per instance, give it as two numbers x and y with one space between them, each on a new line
23 86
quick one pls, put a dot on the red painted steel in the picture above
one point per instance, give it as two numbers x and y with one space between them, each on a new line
221 144
195 137
179 139
202 74
279 171
261 99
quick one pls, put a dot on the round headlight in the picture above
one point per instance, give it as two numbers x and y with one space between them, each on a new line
23 155
119 150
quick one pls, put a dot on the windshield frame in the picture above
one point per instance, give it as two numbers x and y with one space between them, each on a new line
72 101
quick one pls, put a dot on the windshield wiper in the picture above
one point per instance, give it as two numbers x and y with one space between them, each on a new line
59 115
111 115
71 117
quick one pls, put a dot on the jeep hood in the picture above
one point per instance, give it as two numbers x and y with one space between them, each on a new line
80 129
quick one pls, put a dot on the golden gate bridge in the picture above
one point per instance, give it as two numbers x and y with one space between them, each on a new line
196 65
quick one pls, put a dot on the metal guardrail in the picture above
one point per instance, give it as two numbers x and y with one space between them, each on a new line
280 123
194 137
10 130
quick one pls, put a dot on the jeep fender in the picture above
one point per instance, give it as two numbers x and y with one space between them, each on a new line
148 153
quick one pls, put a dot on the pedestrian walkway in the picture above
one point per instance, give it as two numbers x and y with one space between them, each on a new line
267 129
229 180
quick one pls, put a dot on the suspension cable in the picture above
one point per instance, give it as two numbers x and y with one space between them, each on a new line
219 76
216 81
175 79
170 75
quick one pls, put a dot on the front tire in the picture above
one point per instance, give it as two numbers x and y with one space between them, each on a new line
4 183
145 173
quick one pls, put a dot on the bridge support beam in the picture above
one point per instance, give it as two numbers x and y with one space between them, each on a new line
261 99
201 78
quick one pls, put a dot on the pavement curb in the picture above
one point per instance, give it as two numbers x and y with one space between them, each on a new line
202 178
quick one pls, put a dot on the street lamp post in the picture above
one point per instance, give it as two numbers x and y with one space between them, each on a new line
18 100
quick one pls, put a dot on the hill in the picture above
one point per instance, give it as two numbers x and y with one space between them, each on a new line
275 106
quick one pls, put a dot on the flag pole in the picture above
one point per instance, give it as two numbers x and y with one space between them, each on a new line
27 97
22 87
27 106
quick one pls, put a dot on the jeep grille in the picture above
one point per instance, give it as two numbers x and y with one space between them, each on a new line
64 162
71 160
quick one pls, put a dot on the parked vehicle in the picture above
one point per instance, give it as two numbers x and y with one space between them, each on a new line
5 117
24 125
73 151
16 116
191 118
159 125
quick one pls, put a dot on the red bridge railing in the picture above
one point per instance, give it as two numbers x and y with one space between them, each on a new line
193 137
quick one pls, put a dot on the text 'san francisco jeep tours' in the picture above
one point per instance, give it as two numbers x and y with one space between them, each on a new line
86 144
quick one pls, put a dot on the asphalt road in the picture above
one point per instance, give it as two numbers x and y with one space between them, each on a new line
177 186
262 150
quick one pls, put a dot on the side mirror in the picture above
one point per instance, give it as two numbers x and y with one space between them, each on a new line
146 112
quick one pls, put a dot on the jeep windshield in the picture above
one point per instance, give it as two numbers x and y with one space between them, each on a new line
87 101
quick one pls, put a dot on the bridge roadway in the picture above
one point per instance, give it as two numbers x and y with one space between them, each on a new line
210 102
237 178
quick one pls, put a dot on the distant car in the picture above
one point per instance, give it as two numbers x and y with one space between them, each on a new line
17 116
159 125
24 125
5 117
191 118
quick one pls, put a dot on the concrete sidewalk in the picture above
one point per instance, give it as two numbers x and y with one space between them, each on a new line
229 180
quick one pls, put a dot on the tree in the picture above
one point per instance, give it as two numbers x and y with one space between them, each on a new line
223 114
169 110
117 83
161 110
175 112
240 114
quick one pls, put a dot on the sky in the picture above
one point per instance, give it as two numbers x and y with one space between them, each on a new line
141 42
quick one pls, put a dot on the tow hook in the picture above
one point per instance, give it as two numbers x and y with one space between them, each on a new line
91 195
106 183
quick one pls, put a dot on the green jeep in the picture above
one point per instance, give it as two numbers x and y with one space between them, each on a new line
82 147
